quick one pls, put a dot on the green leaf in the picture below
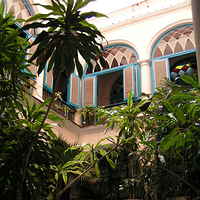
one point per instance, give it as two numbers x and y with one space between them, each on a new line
54 117
74 172
38 17
56 176
169 106
65 178
45 103
35 25
72 163
111 163
97 169
190 80
88 15
40 37
70 4
130 99
59 5
79 67
59 8
102 152
180 116
80 4
2 8
48 7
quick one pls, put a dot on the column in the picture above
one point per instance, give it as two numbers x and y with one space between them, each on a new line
38 90
196 24
146 77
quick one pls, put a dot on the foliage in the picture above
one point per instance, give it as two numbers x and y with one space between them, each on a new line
159 143
130 121
155 155
51 161
22 178
34 163
13 63
88 114
175 112
66 37
18 132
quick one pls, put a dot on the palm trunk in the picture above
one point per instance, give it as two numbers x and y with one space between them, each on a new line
196 24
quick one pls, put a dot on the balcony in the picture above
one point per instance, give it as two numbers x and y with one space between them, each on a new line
61 107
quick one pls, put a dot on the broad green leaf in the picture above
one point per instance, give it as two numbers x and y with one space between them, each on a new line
190 80
97 169
65 178
48 7
74 172
72 163
88 15
111 163
38 17
54 117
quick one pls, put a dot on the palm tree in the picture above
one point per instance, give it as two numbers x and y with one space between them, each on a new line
67 37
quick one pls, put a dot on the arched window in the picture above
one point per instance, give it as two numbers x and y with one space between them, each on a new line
110 84
173 54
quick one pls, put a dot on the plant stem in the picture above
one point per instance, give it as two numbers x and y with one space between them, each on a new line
54 96
59 194
183 180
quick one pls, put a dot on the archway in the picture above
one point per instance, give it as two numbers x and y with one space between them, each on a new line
174 48
110 84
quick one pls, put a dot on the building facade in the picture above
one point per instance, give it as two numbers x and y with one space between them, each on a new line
147 42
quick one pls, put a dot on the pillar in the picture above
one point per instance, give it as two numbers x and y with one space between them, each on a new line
146 77
38 90
196 24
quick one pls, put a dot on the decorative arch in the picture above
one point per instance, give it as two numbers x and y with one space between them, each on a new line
174 40
174 46
115 55
110 84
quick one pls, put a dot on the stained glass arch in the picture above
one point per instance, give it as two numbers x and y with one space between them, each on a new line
175 40
115 56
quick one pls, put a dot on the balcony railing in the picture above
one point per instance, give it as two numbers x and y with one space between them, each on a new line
60 107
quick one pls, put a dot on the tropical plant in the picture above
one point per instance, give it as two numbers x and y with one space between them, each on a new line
90 157
22 178
66 37
174 113
129 120
33 164
67 164
13 63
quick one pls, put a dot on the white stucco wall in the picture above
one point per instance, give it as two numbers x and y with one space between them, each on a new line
140 26
143 32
